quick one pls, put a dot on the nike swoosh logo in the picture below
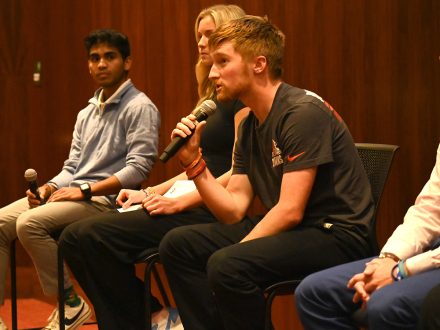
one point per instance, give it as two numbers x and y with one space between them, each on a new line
73 319
292 158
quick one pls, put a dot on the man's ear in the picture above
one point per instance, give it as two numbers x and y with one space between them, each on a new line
260 64
127 63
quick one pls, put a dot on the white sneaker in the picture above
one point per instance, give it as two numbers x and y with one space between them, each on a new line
74 317
53 323
3 325
167 319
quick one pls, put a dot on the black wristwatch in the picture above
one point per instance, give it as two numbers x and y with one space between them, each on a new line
86 190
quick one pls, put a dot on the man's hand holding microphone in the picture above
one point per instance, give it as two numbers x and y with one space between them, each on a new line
36 195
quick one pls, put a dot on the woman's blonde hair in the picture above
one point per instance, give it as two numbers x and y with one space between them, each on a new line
219 14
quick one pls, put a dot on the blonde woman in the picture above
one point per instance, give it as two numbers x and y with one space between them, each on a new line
102 250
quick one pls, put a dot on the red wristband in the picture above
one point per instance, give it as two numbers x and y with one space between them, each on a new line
193 172
193 163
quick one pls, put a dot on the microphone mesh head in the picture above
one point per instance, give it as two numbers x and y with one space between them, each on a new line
30 174
208 107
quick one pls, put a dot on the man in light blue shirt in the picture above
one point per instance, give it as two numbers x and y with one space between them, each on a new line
114 146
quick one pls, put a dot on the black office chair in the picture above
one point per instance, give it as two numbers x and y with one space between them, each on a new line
377 159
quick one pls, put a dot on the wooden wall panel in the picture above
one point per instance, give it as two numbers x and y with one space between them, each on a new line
375 61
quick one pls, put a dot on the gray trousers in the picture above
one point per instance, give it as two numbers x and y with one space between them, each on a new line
34 228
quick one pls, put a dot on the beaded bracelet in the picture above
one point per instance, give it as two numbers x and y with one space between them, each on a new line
149 191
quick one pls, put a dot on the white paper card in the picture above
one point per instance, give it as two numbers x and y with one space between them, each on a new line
180 187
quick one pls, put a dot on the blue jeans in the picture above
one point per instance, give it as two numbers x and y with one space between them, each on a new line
324 301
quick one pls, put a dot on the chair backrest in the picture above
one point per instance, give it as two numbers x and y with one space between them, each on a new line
377 159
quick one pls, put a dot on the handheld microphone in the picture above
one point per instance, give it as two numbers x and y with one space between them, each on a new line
202 112
31 177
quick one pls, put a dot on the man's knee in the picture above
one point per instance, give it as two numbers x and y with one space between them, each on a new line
172 243
310 288
225 272
70 237
305 289
216 268
83 234
28 224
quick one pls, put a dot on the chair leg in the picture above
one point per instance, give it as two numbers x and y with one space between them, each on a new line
150 268
268 317
159 283
13 271
147 287
60 265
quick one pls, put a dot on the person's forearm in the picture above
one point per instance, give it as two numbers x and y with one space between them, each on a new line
423 262
163 187
223 203
109 186
192 199
62 179
277 220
